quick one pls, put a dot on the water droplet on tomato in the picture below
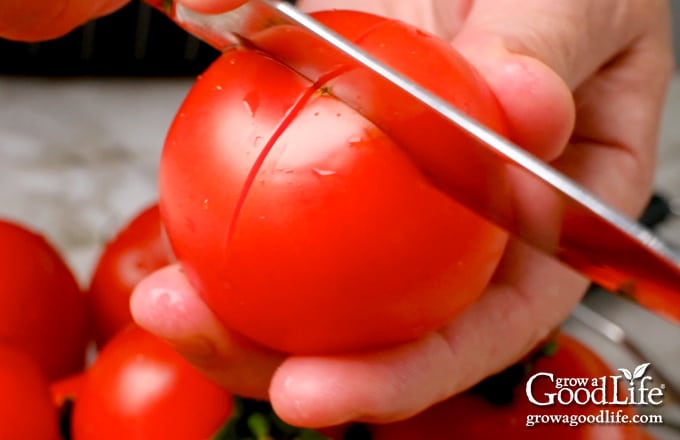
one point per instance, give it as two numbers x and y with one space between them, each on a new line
323 172
252 102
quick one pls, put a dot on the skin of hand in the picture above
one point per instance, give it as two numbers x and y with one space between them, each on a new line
583 85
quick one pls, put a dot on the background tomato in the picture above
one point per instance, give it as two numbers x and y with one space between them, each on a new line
471 416
301 223
66 388
140 388
26 408
64 394
138 249
42 308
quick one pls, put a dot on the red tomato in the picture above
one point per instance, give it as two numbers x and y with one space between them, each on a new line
26 408
301 223
42 308
66 389
64 395
140 388
35 20
469 416
137 250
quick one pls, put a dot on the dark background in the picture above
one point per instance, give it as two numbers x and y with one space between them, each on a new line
135 41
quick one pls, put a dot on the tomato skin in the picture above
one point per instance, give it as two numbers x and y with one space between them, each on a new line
470 416
64 394
302 224
26 408
42 308
138 249
140 388
305 51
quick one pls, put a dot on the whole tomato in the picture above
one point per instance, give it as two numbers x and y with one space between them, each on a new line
26 408
471 416
42 308
140 388
138 249
302 224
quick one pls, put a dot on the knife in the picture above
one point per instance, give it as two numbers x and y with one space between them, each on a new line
570 224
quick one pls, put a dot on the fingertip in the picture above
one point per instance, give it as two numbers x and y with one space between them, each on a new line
159 302
166 305
381 386
538 104
305 392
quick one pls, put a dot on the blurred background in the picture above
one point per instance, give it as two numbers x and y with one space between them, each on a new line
82 123
134 41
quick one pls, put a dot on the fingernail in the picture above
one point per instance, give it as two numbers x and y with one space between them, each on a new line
164 312
159 310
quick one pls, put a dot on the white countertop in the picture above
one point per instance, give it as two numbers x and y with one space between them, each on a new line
79 157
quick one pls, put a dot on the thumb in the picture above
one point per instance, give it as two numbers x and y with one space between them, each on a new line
533 57
604 56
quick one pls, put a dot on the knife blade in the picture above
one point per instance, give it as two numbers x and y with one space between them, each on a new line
510 187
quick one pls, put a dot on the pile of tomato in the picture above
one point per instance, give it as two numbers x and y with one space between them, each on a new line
135 386
284 206
72 364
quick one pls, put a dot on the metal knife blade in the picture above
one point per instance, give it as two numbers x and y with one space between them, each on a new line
537 204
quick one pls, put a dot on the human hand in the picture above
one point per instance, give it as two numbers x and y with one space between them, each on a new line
583 85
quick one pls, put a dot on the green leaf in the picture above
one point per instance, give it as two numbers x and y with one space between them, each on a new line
550 348
309 434
167 6
259 426
256 420
229 430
